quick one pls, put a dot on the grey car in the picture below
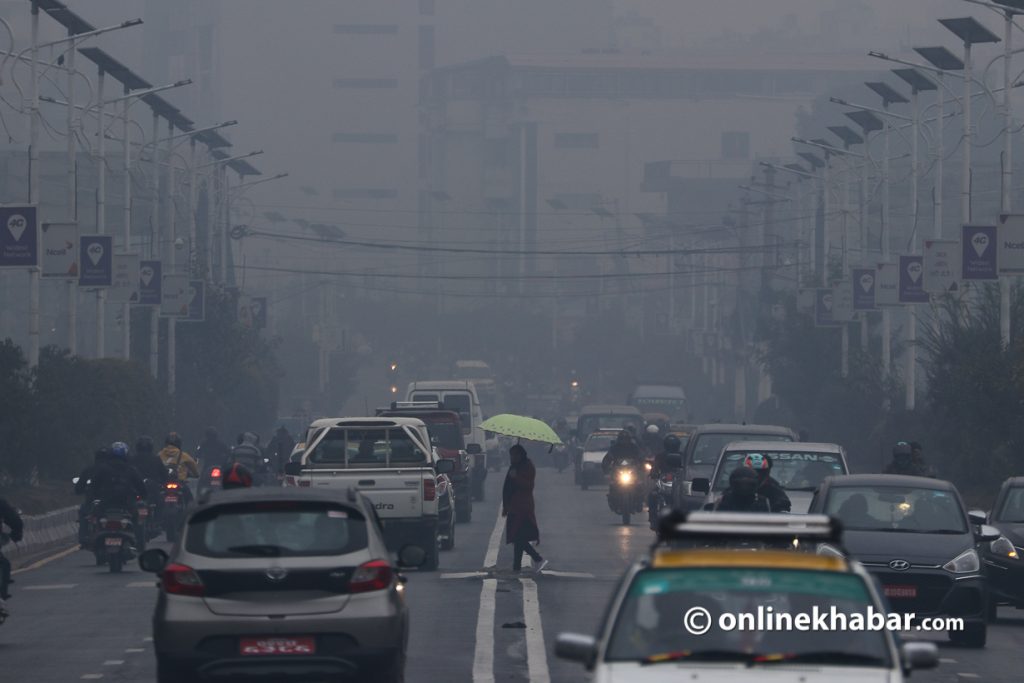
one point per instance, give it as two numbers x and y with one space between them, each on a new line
277 584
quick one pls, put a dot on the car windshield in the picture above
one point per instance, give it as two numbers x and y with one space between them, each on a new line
363 448
461 404
650 624
446 435
1012 509
276 529
793 471
599 442
709 446
897 508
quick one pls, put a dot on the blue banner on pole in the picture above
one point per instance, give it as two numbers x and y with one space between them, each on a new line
150 278
823 301
96 259
979 252
19 237
912 280
863 283
197 301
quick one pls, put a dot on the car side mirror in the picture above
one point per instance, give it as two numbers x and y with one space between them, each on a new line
153 560
444 466
674 461
293 469
75 480
474 449
576 647
701 485
411 557
988 533
918 655
977 517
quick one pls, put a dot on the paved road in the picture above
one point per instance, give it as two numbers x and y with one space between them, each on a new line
73 621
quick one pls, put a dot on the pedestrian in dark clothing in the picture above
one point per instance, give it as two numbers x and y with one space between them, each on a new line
741 495
9 517
280 448
518 509
767 486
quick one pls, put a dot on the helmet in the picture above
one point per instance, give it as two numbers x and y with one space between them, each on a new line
672 443
652 429
902 450
144 444
119 449
173 439
237 477
757 462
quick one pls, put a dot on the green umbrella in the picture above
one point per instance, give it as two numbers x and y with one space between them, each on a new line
521 427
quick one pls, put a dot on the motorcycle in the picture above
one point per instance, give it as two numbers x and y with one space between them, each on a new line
560 456
661 497
113 542
626 489
173 498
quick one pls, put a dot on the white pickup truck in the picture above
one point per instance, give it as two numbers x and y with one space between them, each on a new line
388 459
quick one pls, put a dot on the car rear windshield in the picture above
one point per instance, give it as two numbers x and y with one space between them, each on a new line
598 442
276 529
446 435
651 623
793 471
897 508
591 423
1012 509
366 448
709 446
461 404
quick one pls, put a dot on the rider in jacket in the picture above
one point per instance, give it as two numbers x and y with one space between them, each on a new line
742 495
623 448
767 486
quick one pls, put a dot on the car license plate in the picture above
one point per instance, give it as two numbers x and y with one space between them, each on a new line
170 499
278 646
112 541
900 591
143 512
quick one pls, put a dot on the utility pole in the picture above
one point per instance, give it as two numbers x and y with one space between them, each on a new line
126 309
101 209
154 247
72 286
33 182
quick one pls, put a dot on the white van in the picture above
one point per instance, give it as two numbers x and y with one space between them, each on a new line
461 397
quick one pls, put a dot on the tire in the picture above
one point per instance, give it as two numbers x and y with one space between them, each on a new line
974 635
625 518
115 563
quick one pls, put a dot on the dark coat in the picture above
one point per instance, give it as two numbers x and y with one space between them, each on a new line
10 517
517 501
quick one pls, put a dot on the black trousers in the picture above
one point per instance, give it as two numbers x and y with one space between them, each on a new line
521 546
5 576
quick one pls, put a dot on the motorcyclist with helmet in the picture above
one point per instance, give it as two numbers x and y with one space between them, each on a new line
85 485
10 518
248 453
179 463
671 444
767 486
623 448
652 440
903 462
742 494
117 484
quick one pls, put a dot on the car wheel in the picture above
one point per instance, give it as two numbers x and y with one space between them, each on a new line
975 634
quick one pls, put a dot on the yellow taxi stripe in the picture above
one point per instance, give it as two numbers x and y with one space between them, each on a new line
776 559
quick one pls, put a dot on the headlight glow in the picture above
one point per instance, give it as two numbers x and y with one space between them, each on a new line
964 563
648 466
625 477
1004 548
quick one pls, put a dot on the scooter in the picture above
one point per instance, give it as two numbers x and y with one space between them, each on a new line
172 508
626 489
113 542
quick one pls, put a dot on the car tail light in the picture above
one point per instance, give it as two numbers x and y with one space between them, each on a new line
180 579
429 489
115 524
370 576
172 485
215 473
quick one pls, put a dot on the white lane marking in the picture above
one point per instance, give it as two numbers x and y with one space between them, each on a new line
134 650
50 587
536 653
463 575
91 677
946 660
568 575
148 639
143 584
47 560
113 662
483 656
491 557
968 675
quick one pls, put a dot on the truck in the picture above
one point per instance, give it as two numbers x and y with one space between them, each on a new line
445 430
460 396
666 399
391 461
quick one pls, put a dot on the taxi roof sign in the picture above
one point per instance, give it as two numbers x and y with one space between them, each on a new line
765 559
724 526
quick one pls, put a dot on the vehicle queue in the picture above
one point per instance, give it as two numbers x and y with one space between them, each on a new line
363 499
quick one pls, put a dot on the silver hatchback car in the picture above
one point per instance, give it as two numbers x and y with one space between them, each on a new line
280 584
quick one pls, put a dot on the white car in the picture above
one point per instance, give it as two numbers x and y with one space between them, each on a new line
589 472
665 621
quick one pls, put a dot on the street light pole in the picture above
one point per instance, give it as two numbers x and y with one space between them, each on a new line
126 308
1006 204
154 251
101 208
72 286
33 182
172 260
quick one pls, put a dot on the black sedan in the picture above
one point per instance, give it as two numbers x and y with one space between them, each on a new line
916 537
1003 556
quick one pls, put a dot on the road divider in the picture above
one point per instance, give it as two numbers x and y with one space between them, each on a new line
43 531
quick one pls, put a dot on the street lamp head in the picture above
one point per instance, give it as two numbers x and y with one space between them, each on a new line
183 82
130 23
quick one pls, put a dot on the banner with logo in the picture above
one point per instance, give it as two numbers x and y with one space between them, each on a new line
19 237
59 243
912 280
979 253
863 285
842 302
96 260
941 266
823 302
1011 245
196 301
175 296
150 283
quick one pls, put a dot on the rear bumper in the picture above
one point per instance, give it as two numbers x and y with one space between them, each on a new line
415 531
938 593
